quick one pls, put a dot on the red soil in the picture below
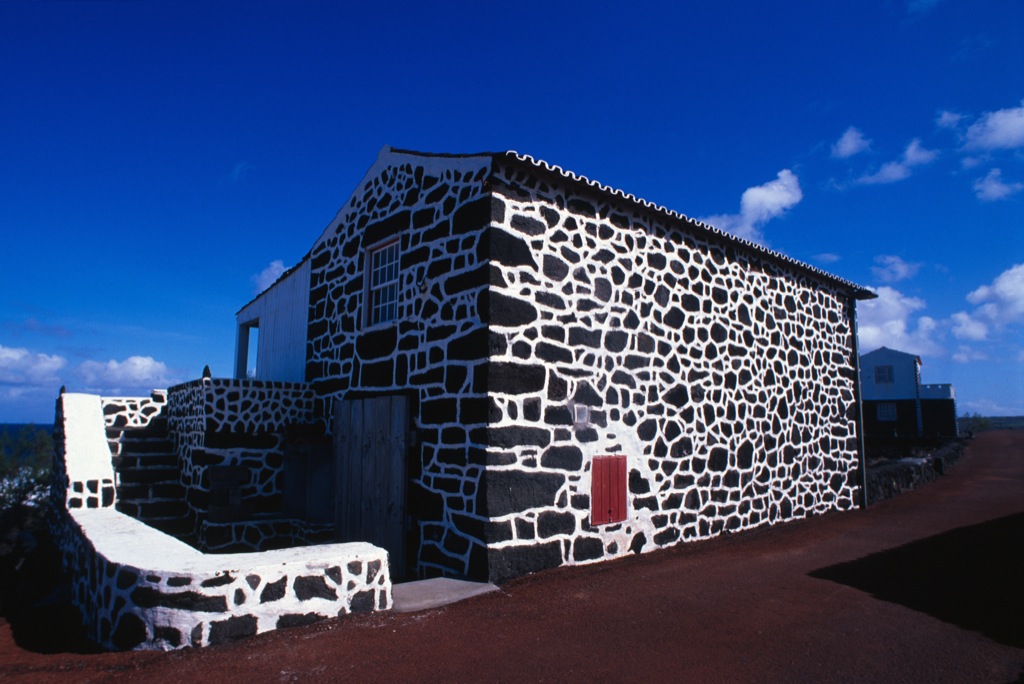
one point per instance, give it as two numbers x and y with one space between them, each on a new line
743 608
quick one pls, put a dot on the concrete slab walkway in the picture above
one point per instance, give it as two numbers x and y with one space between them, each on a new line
410 597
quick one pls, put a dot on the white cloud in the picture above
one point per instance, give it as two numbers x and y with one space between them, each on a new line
1002 302
268 276
916 155
765 202
1001 129
991 188
987 407
851 142
891 172
947 119
965 354
966 327
135 372
760 204
21 367
996 306
887 322
30 381
827 258
891 268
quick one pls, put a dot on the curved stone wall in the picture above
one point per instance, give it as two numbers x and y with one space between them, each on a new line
140 588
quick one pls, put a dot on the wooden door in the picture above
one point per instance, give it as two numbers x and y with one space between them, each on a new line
370 453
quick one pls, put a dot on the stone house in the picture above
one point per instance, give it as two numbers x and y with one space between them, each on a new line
897 404
519 368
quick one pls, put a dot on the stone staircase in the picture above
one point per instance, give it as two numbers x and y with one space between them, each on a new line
148 477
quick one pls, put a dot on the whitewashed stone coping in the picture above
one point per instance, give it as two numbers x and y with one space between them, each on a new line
84 434
87 463
150 590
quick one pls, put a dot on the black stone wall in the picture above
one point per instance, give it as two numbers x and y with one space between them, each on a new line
148 472
724 376
437 348
542 322
229 438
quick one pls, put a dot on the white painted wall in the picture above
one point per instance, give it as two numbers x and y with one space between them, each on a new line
282 316
86 438
905 375
941 391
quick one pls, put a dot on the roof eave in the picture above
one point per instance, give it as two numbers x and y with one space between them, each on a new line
852 289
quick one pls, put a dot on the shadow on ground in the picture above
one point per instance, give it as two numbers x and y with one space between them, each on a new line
35 597
972 577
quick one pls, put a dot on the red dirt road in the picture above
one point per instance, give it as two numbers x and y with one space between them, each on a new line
736 609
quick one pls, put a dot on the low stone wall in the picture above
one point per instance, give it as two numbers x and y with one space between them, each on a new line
140 588
122 414
147 469
205 461
894 477
229 436
85 480
257 535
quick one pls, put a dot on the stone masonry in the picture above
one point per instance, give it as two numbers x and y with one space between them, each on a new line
229 438
544 320
140 588
723 373
437 348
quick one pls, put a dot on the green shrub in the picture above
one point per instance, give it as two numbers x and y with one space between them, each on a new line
26 458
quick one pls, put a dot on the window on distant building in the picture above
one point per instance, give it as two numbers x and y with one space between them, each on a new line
883 375
886 412
382 283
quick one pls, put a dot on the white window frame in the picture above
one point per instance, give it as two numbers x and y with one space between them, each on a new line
383 270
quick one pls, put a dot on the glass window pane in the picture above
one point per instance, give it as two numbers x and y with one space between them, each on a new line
382 294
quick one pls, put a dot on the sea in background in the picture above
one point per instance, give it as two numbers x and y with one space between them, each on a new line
14 428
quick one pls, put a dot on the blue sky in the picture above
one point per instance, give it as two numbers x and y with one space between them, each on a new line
157 157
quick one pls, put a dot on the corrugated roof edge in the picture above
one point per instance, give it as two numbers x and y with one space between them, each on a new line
856 290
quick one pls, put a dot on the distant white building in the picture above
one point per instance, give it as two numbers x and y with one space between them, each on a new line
897 404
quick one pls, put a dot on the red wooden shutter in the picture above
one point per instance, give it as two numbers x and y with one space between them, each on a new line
607 490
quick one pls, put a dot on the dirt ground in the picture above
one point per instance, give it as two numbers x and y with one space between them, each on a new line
926 587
